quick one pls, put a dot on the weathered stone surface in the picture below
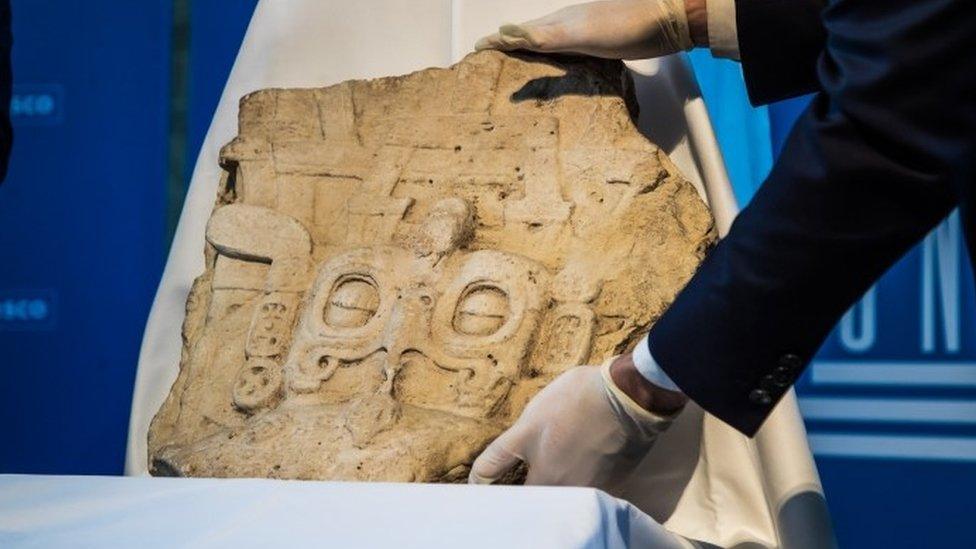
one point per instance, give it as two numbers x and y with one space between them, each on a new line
395 266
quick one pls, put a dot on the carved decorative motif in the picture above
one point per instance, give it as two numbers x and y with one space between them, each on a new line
396 266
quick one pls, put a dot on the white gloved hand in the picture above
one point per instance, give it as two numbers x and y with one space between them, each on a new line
580 430
613 29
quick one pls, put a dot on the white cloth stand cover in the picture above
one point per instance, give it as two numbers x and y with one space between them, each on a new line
703 480
108 512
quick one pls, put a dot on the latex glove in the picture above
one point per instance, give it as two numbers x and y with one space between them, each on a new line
580 430
613 29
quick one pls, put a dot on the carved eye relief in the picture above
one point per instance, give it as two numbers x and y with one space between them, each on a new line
352 303
481 311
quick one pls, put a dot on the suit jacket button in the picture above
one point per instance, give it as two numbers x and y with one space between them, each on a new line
759 396
791 361
781 378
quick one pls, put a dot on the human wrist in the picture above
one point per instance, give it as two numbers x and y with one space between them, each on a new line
645 394
697 15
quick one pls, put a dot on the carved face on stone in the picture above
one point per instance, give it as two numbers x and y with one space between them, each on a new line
395 267
431 328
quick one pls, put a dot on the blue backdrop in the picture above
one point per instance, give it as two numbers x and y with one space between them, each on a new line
81 227
890 401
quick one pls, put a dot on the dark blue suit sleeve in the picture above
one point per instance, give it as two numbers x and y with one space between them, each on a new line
883 153
779 44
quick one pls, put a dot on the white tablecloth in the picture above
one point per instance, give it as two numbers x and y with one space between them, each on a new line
144 513
703 480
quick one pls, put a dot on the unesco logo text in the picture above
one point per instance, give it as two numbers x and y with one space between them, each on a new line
37 105
31 310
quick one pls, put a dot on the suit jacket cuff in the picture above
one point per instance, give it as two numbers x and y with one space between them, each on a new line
649 368
780 42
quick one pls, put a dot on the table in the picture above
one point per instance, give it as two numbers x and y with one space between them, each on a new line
105 512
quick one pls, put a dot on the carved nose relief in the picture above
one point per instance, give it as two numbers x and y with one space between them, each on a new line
395 266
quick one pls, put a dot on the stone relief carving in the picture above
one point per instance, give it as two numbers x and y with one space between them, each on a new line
395 266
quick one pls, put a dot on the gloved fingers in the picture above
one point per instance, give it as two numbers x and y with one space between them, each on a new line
498 458
546 476
510 37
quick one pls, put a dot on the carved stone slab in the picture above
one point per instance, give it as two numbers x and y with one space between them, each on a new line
395 266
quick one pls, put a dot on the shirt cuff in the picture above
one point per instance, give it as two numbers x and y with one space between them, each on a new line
723 36
648 367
